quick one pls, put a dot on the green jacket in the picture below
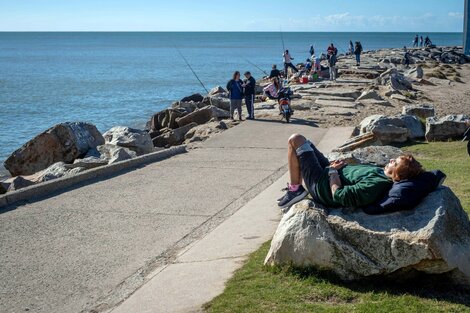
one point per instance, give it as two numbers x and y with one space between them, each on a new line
362 185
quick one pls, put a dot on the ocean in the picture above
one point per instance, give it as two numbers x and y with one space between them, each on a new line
114 78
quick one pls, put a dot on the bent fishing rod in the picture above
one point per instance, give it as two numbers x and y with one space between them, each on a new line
253 64
189 65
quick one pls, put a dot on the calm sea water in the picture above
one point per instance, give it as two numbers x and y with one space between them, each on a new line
112 79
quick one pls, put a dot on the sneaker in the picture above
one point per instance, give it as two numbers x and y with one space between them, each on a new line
284 190
292 197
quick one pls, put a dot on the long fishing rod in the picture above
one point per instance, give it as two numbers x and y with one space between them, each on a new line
189 65
282 38
253 64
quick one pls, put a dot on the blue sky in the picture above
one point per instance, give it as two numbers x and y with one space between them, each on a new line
234 15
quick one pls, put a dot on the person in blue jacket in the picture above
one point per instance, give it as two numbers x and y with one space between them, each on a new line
235 89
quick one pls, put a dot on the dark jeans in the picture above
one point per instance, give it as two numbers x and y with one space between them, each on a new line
312 164
286 67
249 102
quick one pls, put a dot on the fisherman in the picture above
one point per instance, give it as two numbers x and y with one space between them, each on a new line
332 64
235 89
250 85
308 65
274 72
288 63
312 50
406 57
415 42
357 52
427 42
351 47
421 41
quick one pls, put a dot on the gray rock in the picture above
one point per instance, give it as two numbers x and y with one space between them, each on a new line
202 116
369 94
174 137
433 238
202 132
194 98
63 142
216 90
446 128
376 155
395 80
422 110
167 118
136 140
415 73
219 102
57 170
90 162
398 128
18 182
112 153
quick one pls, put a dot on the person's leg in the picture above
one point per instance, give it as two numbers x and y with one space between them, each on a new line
239 109
286 68
252 106
293 67
232 108
248 105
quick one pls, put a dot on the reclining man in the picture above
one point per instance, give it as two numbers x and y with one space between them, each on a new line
338 184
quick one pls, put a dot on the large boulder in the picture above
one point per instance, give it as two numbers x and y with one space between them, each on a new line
194 98
62 143
165 118
446 128
202 132
136 140
18 182
394 79
388 129
219 102
202 116
433 238
422 110
376 155
112 153
57 170
216 90
173 137
415 73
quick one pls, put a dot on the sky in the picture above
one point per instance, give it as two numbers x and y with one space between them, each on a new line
233 15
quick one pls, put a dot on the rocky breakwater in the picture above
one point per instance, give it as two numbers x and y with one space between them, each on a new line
70 148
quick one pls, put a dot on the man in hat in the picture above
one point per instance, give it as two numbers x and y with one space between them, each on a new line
250 85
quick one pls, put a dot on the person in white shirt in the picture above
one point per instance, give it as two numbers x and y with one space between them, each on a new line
288 63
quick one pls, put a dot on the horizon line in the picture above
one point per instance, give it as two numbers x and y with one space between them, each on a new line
211 31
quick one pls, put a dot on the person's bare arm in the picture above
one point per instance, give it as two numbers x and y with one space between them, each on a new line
335 181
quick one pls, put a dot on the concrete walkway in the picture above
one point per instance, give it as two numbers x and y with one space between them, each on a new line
92 247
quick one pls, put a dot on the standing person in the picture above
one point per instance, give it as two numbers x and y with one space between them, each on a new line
406 57
357 52
235 89
288 63
332 64
415 42
312 50
274 72
351 47
250 84
421 41
331 50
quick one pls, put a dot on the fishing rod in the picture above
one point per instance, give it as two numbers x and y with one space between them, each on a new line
253 64
189 65
282 38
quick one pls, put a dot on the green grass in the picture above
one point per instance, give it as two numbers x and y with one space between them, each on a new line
256 288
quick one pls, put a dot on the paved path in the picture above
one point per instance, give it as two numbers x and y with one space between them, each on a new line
94 246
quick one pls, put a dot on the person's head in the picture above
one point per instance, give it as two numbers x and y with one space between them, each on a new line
247 74
403 167
331 45
274 66
287 51
236 75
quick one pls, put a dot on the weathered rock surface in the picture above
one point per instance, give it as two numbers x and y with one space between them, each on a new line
369 94
57 170
202 132
165 118
449 127
359 141
90 162
394 79
398 128
173 137
203 116
421 111
194 98
63 142
415 73
216 90
18 182
376 155
218 101
136 140
433 238
112 153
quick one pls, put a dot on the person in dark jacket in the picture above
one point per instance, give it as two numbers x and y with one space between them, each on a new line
275 72
312 50
250 85
357 52
338 184
235 89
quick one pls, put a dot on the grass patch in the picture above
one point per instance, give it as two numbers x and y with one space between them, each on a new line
255 288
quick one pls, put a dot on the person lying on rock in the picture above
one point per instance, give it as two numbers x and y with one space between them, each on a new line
337 184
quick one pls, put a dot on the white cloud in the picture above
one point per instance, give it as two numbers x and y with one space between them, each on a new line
458 15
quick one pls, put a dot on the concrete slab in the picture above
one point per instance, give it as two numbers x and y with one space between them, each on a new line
336 104
338 111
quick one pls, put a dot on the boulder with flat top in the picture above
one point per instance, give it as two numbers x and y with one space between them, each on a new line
202 116
64 142
422 110
389 129
433 238
446 128
133 139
